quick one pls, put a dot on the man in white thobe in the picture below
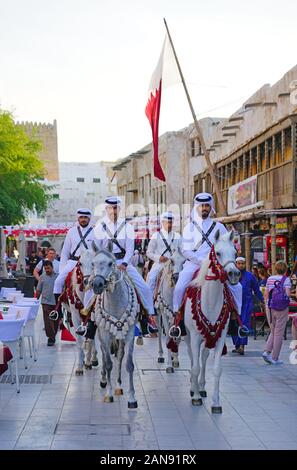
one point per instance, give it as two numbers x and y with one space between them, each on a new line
121 233
161 247
82 234
198 237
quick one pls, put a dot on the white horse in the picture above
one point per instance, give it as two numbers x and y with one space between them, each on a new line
164 305
213 303
73 302
115 316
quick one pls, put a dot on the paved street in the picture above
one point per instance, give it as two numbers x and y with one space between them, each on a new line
259 405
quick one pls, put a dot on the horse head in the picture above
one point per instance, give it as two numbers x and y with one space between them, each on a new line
85 263
104 269
176 264
226 255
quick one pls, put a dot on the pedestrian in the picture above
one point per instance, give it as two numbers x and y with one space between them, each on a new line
45 289
277 295
33 261
263 276
249 287
51 256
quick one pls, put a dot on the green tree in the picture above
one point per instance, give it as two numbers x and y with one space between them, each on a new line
21 173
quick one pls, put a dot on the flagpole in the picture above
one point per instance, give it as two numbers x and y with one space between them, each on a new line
221 203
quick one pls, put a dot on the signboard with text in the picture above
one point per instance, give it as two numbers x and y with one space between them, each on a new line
243 195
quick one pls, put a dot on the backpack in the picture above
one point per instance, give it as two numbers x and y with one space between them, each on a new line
278 299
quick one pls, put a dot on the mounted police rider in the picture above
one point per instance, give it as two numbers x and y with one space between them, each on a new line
198 237
161 247
121 233
82 234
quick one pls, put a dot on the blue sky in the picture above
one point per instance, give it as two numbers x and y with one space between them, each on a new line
88 63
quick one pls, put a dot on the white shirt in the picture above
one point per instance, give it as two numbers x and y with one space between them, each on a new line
156 246
125 237
72 240
192 239
56 265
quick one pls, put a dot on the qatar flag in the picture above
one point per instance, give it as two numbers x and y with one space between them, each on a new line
165 74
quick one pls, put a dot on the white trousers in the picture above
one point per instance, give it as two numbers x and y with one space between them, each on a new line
184 279
142 289
153 274
59 282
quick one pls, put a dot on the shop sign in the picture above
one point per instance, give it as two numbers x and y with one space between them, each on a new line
281 225
243 195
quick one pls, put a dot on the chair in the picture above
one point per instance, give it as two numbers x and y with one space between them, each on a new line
29 328
10 334
19 311
6 290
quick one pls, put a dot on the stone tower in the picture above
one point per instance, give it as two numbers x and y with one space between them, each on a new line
47 134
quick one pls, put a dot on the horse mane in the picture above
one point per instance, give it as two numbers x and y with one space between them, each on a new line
107 253
200 279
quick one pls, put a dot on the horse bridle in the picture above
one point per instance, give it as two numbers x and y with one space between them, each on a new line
110 277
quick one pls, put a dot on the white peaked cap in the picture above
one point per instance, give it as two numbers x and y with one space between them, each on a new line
167 216
83 211
203 198
113 201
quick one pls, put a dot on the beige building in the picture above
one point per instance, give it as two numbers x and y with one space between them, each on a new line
47 134
255 160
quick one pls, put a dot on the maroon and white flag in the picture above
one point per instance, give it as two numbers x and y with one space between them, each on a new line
165 74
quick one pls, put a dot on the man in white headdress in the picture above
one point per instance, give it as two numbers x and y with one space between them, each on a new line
121 233
161 247
82 234
198 237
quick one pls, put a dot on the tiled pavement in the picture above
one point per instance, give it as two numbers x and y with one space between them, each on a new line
259 405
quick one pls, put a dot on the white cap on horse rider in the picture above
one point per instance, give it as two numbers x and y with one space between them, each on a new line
121 233
198 237
161 247
82 234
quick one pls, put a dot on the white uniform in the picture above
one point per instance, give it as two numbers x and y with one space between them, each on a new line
157 248
71 241
125 238
196 252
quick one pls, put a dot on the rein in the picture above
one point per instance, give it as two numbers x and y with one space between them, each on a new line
212 332
217 268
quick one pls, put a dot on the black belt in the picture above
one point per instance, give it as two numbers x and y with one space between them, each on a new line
120 255
74 258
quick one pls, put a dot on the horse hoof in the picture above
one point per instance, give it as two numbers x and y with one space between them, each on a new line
203 394
216 410
118 391
95 363
103 384
191 393
132 405
196 401
139 341
161 360
175 364
108 399
88 366
79 372
169 370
